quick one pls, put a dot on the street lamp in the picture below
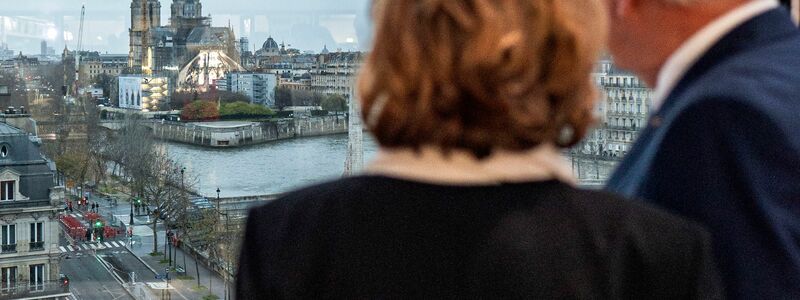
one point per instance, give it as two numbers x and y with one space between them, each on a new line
225 244
131 221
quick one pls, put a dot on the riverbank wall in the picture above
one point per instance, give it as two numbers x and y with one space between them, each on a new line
237 134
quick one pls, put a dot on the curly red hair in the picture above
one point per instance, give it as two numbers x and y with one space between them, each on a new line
480 75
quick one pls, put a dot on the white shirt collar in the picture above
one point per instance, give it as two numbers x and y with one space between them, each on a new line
430 165
682 59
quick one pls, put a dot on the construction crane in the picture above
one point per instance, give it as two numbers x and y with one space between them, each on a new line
78 50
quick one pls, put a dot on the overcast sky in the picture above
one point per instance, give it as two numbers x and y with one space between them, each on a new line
303 24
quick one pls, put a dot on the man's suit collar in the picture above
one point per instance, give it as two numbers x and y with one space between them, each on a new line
760 30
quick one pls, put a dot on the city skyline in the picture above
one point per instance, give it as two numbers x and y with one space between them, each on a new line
306 25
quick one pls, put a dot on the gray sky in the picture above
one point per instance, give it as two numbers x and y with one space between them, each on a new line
304 24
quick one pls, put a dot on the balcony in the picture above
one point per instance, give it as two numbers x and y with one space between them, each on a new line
623 128
36 246
45 290
19 204
11 248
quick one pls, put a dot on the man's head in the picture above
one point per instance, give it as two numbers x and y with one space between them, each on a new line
644 33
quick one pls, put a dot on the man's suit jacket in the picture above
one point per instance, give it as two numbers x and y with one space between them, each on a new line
724 150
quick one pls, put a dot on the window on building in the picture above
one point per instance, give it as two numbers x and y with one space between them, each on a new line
37 236
7 190
3 151
36 277
8 276
9 238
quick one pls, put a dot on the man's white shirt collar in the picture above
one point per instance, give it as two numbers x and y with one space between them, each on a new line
687 55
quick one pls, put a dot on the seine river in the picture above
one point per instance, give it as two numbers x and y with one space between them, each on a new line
269 168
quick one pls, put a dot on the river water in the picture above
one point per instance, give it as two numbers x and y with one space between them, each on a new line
269 168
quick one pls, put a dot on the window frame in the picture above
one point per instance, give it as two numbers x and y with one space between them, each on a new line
36 236
6 193
8 278
8 238
36 282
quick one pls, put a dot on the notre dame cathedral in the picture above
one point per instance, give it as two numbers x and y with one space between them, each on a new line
188 48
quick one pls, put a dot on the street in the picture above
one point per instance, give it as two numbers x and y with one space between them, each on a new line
89 279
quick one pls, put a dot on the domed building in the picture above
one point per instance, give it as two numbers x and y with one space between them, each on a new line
269 49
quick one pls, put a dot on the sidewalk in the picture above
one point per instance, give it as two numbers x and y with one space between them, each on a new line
186 287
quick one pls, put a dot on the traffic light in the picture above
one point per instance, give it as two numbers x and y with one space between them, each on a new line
64 280
98 224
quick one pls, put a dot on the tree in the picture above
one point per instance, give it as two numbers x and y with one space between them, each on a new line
179 100
317 98
335 103
158 182
283 97
231 97
244 110
301 98
200 110
150 173
214 235
74 164
106 82
208 236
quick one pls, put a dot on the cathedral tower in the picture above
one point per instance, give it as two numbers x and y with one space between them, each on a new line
185 9
145 15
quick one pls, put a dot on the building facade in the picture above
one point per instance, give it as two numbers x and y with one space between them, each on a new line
94 65
30 201
259 87
143 92
624 111
335 73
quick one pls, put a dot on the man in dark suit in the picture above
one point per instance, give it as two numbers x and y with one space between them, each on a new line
722 145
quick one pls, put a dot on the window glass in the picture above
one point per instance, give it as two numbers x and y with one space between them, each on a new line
9 238
175 117
7 190
36 276
8 278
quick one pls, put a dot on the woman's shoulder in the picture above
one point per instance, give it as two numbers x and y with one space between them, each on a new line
321 194
630 214
660 243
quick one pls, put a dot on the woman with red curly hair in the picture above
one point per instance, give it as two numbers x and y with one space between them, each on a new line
471 102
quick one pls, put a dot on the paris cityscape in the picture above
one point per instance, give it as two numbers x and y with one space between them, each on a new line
141 144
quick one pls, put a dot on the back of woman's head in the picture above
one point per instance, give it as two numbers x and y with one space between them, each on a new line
481 75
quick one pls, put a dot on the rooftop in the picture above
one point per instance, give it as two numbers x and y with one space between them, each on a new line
6 129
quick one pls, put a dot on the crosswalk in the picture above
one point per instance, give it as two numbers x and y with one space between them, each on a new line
92 246
76 215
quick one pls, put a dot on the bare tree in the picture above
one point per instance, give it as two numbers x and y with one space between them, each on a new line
157 185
